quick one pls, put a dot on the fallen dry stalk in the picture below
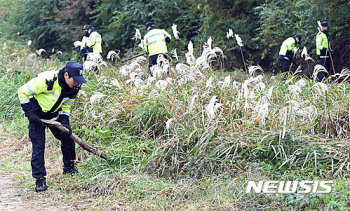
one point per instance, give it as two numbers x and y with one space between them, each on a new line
76 139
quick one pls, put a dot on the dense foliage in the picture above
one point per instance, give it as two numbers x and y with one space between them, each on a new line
262 24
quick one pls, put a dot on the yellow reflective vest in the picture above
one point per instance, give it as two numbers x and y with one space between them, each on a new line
154 41
321 42
83 42
95 42
287 45
38 88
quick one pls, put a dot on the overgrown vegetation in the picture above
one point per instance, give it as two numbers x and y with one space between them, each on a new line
205 127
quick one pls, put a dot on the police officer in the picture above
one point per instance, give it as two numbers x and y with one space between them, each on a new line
50 96
287 50
91 42
155 43
322 49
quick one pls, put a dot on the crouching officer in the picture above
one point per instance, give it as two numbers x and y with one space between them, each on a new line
50 96
286 52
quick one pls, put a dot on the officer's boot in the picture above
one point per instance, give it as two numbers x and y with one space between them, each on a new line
41 184
70 170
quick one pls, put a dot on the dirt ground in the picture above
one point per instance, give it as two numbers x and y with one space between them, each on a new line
11 195
64 193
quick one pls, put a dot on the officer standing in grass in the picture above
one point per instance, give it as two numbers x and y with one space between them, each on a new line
286 52
50 96
155 43
91 42
323 50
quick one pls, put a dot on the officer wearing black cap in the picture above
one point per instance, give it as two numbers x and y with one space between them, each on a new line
50 96
323 50
155 43
91 42
287 50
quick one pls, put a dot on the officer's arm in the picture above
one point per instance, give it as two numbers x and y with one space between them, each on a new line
319 42
83 41
91 41
28 90
145 45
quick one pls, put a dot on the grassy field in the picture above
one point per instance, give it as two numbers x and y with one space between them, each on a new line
190 140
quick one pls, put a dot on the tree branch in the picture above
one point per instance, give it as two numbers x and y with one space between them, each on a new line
76 139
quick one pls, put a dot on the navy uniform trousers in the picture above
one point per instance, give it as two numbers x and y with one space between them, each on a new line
325 62
285 65
37 137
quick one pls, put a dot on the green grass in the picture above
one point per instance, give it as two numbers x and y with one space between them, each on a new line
288 130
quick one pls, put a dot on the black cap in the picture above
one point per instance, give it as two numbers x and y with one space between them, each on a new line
87 27
151 24
325 23
298 36
75 70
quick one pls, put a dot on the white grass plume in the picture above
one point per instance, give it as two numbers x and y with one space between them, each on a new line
261 110
116 83
163 63
320 28
270 92
162 84
77 44
253 69
137 34
112 54
305 55
208 43
169 123
308 113
90 65
40 51
191 107
29 42
96 97
173 52
317 69
229 33
239 40
189 55
225 83
182 68
175 32
321 88
212 107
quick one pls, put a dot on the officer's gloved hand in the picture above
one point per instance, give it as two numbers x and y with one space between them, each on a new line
323 51
66 134
32 117
82 52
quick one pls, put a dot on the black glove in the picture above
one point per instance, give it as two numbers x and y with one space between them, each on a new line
83 52
32 117
323 51
167 39
66 134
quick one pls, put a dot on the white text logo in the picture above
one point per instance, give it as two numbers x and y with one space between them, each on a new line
290 187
